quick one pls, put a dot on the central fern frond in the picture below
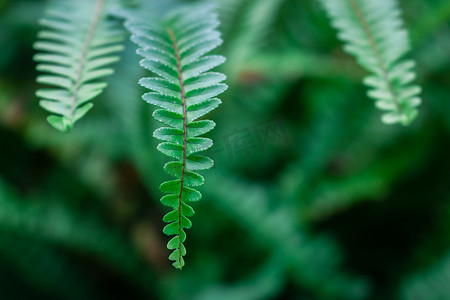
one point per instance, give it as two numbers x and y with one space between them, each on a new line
77 45
174 50
372 31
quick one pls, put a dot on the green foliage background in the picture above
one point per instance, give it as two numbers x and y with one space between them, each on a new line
311 197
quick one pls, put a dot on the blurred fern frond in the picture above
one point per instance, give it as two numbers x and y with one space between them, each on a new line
253 23
76 47
277 228
185 90
374 34
263 284
429 285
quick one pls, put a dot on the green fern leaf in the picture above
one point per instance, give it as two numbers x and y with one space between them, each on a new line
77 45
373 33
185 90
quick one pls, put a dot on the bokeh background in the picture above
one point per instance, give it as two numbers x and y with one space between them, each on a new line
311 196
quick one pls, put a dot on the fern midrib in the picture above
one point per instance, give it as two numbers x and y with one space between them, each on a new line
87 42
183 103
357 9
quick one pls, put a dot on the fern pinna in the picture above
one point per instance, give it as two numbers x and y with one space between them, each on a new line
373 32
174 49
76 46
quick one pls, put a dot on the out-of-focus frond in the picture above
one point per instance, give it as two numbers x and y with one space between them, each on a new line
174 50
77 45
373 33
432 284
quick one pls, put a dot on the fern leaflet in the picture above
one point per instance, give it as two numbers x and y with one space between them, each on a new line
174 49
373 33
75 50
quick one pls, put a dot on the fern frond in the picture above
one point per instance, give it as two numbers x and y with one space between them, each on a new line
373 32
77 45
174 50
